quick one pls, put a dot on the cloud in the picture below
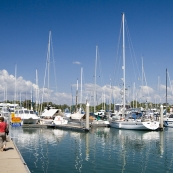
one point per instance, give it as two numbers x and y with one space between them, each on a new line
23 88
77 62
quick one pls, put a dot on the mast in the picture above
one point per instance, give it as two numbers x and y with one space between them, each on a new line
166 88
76 94
48 65
110 95
47 69
15 84
142 75
95 80
123 67
37 91
81 88
31 100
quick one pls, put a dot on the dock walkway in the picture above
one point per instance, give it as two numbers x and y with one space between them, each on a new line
11 160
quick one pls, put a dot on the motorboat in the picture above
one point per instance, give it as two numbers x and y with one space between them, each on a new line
48 115
100 113
168 121
76 116
59 120
27 116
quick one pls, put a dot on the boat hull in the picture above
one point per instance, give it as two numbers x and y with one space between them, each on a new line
168 123
76 116
60 120
135 125
46 121
30 121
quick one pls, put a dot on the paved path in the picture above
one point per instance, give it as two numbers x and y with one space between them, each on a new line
11 161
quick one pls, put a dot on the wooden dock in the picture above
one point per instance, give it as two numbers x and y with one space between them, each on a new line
12 161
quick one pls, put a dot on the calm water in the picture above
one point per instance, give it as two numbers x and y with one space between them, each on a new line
99 151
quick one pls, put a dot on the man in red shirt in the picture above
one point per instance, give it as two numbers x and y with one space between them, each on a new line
3 128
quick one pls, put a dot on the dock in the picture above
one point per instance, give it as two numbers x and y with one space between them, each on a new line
71 127
37 126
12 161
79 126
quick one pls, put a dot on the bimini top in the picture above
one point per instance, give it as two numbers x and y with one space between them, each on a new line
49 113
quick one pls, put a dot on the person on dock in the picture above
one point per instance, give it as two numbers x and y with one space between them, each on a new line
3 131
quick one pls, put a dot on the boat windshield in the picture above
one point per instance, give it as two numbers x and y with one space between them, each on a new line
171 116
21 112
26 111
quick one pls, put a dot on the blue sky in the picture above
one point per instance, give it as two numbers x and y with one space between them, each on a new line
77 27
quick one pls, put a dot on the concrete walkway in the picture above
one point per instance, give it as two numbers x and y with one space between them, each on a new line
11 160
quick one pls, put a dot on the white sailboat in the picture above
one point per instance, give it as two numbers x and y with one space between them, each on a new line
135 124
168 118
78 115
49 113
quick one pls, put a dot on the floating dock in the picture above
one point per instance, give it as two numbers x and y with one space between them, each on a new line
37 126
71 126
12 161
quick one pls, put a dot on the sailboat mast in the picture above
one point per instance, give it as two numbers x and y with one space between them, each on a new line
37 90
95 80
15 84
76 94
166 89
31 99
81 88
48 63
142 75
123 64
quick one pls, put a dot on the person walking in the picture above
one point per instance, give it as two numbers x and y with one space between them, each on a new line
3 131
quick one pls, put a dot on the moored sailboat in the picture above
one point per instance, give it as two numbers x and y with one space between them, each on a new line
124 122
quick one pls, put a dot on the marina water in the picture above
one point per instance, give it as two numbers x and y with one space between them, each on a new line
98 151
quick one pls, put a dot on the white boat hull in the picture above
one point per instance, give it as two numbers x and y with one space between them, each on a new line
27 116
168 123
76 116
135 125
30 121
100 122
60 120
46 121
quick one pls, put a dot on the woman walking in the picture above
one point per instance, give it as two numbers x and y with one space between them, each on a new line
3 129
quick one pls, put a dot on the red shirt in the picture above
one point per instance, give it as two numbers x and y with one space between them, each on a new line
3 126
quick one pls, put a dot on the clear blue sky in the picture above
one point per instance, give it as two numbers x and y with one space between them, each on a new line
77 27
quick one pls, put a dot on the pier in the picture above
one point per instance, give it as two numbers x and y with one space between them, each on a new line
12 161
79 126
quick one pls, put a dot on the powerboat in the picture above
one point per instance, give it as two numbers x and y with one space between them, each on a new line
168 121
59 120
77 115
47 117
27 116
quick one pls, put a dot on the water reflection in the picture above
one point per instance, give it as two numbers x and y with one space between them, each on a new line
100 150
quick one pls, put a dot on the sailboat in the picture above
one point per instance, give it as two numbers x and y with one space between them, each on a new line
168 119
126 123
50 112
78 115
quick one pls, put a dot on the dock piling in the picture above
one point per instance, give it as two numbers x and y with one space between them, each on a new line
87 116
161 117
